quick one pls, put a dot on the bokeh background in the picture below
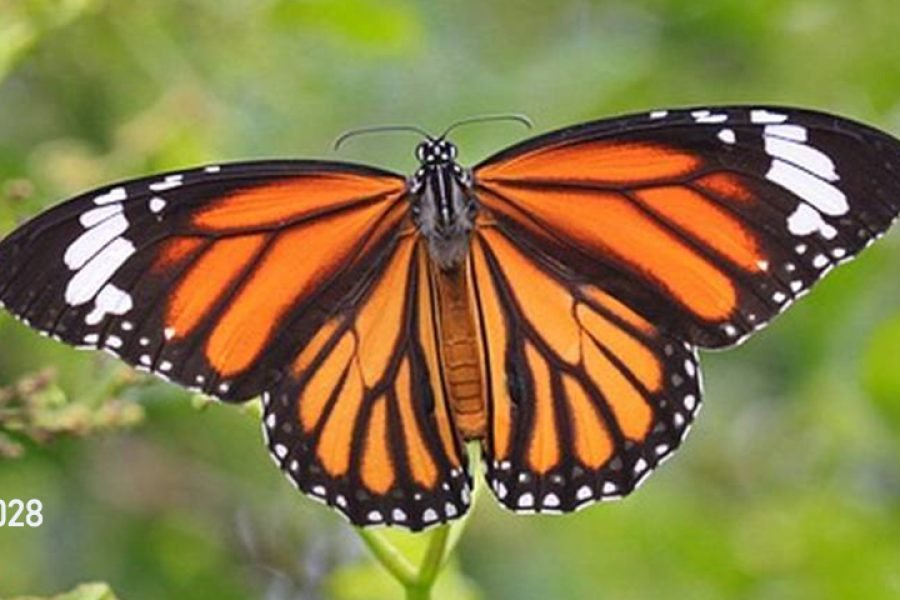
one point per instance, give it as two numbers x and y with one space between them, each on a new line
789 485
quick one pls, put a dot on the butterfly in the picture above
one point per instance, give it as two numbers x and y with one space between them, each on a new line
548 302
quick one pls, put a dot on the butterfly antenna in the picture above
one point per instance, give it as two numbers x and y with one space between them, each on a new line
379 129
516 117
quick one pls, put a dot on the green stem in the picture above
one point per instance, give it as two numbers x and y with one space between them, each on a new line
431 565
389 556
442 541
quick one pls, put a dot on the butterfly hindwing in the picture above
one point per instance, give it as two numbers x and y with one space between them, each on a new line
711 221
200 276
361 422
586 397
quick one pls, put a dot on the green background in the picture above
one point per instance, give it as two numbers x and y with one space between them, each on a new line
789 485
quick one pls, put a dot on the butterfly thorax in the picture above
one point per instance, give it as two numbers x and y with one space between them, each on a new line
442 203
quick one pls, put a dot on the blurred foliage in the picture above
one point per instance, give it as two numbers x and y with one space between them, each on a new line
87 591
789 486
36 408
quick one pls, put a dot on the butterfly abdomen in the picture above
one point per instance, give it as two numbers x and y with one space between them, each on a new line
459 350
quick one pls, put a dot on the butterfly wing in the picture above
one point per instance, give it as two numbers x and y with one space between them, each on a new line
211 277
709 222
361 422
607 252
586 396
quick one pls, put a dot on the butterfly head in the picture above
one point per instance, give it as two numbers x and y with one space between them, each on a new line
443 204
436 151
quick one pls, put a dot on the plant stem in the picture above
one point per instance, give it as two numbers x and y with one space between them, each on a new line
389 556
418 582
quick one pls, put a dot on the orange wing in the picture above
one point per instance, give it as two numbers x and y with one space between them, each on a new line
607 252
585 395
708 222
209 277
361 422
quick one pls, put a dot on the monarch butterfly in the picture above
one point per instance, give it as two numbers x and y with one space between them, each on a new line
548 302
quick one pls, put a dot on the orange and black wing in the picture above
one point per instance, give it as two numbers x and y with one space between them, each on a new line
585 396
709 222
607 252
210 276
361 422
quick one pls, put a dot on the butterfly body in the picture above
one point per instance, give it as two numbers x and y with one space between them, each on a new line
443 205
461 359
548 302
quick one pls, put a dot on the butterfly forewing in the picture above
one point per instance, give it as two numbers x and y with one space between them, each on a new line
199 275
709 222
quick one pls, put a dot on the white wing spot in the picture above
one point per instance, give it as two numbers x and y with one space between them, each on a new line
609 488
728 136
705 116
526 500
805 220
110 301
583 493
819 261
157 205
374 516
92 241
690 402
551 500
817 192
398 515
429 516
117 194
280 450
170 182
89 280
765 117
796 133
659 114
98 215
501 490
801 155
689 367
